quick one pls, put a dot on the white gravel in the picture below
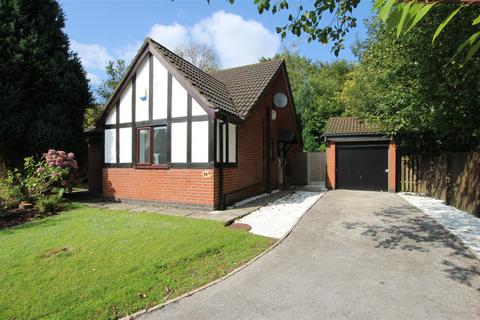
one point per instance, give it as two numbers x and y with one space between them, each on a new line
277 218
462 224
248 200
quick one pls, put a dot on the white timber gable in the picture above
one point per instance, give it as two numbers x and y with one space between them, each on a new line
155 121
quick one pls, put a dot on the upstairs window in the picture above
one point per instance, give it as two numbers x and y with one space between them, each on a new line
152 146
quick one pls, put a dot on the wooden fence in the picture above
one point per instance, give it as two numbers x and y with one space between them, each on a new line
452 177
308 168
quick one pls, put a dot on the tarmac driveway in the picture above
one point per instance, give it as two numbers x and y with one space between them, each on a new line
354 255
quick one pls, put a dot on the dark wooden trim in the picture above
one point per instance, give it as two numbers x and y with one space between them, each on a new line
189 128
227 165
131 72
117 133
192 118
120 125
118 165
212 138
209 109
192 165
361 145
220 176
228 117
268 159
153 123
227 142
134 125
169 118
150 87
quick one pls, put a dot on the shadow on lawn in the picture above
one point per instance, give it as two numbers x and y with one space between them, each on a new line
21 221
404 228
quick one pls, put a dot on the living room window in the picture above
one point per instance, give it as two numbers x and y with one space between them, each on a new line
152 146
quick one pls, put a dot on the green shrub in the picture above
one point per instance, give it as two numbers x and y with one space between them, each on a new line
10 196
48 204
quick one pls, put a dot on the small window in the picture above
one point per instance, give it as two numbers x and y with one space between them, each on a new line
159 145
229 137
152 146
144 146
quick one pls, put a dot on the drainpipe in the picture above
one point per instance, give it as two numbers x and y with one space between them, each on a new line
267 155
220 177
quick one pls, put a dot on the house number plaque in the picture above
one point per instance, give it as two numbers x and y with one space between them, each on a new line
207 174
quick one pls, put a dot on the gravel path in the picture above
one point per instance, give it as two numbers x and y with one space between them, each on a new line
462 224
277 218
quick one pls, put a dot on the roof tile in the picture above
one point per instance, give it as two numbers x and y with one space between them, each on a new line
349 126
234 90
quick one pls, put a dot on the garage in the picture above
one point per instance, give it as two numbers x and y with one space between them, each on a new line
359 156
362 167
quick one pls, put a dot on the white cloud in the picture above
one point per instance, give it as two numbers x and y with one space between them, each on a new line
236 40
93 56
128 52
94 79
170 36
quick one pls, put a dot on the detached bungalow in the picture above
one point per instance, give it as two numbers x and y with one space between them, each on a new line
176 135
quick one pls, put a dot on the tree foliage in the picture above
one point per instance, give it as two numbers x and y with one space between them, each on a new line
115 71
404 16
414 90
330 20
43 87
200 55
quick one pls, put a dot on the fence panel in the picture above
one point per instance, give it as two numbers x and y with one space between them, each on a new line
452 177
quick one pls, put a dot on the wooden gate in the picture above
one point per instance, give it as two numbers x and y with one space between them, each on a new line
309 168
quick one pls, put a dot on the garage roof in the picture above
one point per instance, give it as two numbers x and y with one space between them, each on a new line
346 126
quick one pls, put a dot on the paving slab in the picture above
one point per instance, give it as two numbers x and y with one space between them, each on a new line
227 216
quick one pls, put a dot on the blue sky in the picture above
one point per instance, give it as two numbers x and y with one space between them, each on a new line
102 30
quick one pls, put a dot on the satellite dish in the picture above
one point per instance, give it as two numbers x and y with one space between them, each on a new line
280 100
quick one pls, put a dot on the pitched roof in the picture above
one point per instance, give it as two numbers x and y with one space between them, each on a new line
349 126
246 84
212 89
234 91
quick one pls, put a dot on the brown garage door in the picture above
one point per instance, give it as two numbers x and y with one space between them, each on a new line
362 167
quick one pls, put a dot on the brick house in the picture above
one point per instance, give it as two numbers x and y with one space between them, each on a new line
175 135
359 156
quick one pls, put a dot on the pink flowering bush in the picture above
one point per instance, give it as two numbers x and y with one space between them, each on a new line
55 170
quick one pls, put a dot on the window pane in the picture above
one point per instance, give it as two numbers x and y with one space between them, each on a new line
159 145
144 146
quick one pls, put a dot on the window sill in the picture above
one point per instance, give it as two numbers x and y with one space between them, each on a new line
152 166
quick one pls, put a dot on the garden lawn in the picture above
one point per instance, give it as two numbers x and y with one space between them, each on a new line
91 263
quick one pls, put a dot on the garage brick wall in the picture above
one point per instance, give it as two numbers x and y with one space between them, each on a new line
331 154
392 167
331 166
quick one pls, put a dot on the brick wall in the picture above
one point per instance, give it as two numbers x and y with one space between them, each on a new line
173 186
392 167
249 177
331 164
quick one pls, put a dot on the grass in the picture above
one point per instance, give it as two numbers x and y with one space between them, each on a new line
90 263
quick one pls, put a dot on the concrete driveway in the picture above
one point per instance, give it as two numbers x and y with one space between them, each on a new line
354 255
